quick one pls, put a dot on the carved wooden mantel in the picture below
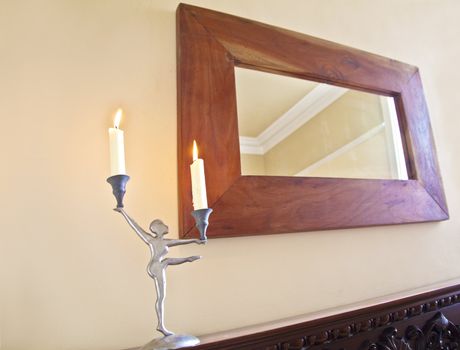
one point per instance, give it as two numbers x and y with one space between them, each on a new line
426 321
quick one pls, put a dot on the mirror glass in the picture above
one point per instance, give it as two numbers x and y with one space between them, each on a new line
295 127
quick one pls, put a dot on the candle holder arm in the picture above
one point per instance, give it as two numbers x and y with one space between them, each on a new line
145 236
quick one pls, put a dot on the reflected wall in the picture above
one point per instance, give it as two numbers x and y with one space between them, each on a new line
295 127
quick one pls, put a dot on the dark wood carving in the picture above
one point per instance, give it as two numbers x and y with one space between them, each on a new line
390 341
209 45
437 334
427 321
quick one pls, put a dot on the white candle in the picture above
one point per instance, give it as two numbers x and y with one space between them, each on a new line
198 181
117 147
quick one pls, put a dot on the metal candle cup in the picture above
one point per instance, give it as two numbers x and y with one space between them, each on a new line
201 217
118 183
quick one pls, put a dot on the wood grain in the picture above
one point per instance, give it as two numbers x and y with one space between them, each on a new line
209 45
204 105
267 205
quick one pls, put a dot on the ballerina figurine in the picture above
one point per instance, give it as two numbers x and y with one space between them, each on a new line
159 247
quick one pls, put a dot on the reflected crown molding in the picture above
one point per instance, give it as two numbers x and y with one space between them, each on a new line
308 107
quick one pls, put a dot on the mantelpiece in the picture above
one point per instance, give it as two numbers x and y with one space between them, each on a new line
209 45
425 320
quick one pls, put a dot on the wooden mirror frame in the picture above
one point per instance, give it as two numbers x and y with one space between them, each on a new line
209 45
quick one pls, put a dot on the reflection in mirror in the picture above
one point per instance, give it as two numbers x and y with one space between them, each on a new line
296 127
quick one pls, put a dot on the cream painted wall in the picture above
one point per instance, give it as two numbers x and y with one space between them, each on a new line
73 275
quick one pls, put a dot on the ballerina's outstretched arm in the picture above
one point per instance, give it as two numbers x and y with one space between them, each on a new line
145 236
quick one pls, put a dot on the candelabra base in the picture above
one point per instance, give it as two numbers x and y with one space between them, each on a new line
174 341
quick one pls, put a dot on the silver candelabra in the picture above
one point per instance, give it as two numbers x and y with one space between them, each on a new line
156 268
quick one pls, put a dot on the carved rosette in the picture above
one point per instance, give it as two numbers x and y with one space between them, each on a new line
440 333
437 334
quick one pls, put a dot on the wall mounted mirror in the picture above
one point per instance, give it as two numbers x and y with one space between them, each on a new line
299 133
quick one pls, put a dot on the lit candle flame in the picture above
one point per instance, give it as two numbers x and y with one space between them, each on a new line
117 119
195 151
